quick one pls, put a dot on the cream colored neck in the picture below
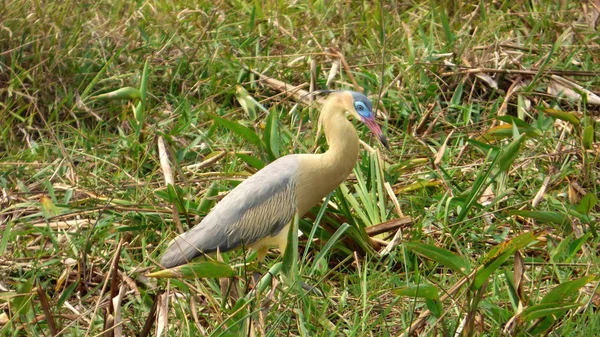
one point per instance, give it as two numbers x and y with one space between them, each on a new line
342 154
322 173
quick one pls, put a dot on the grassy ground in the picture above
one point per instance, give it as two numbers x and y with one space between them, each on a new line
488 197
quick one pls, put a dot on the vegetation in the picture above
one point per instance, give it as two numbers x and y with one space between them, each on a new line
481 219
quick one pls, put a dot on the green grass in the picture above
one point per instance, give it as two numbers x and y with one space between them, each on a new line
493 177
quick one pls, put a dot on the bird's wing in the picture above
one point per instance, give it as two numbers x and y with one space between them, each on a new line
259 207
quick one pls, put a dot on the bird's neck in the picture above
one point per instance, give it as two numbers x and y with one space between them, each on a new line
342 154
322 173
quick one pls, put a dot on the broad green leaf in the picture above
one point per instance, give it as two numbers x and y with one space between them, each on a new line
518 242
145 79
289 265
542 310
569 117
246 102
521 106
514 120
407 164
505 131
510 153
457 95
250 160
489 268
564 291
238 129
587 139
443 256
377 179
201 269
575 246
50 188
207 199
587 203
140 112
558 252
500 253
496 133
484 147
435 306
512 292
422 290
541 325
272 135
122 93
172 194
21 304
543 216
421 184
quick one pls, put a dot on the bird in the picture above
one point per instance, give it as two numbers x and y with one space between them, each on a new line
257 213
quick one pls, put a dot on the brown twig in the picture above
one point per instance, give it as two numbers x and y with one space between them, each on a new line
46 308
466 70
388 226
347 70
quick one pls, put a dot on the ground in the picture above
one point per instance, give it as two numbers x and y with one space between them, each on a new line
480 219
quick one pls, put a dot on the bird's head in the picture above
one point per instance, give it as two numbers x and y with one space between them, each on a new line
359 106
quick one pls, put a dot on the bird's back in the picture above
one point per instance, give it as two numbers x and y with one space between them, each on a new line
261 206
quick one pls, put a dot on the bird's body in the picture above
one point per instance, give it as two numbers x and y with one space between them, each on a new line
257 213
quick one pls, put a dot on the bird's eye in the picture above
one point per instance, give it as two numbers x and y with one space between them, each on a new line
362 109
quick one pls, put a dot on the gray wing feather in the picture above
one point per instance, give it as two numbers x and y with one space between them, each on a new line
259 207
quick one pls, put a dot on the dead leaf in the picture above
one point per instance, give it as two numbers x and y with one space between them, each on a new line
560 86
163 313
519 270
488 80
440 154
335 68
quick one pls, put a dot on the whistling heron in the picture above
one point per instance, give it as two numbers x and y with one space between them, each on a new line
257 213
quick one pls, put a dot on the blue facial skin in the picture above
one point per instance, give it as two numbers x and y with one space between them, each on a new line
362 104
362 109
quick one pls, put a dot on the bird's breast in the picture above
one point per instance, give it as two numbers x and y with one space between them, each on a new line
316 178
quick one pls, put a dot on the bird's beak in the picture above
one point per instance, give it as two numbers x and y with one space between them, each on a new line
374 127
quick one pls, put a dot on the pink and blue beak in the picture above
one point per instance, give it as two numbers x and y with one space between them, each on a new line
376 130
364 109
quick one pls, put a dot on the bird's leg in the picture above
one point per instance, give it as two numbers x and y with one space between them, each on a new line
261 253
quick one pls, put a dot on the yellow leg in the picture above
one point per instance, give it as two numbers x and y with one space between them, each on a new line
282 239
279 240
262 252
